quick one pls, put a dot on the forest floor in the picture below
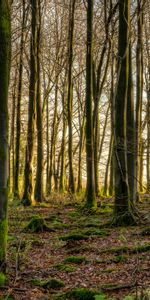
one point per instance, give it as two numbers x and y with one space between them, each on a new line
79 249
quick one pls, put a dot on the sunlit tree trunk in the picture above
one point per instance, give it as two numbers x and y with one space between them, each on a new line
106 181
63 143
19 96
90 189
148 139
5 38
53 139
70 95
38 192
131 133
12 139
139 92
28 196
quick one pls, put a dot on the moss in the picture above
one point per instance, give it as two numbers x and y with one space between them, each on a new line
2 279
37 224
75 259
3 239
97 232
81 294
109 270
73 237
125 249
48 284
120 259
78 249
65 268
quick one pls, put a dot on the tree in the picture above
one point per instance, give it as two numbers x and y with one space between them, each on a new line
18 118
122 209
38 192
28 171
5 37
70 95
90 188
139 92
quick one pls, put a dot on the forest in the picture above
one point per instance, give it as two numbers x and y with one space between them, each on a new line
74 150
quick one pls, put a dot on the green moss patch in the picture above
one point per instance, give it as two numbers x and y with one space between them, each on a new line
73 237
37 224
81 294
65 268
75 259
96 232
48 284
120 259
2 279
125 249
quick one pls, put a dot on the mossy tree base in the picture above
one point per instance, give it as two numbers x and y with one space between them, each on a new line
37 224
124 219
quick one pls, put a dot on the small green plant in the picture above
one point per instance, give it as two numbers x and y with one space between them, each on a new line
75 259
2 279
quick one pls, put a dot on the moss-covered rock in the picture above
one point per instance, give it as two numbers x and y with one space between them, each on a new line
48 284
37 224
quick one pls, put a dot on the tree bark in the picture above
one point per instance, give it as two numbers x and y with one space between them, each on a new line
90 188
38 192
122 211
28 196
70 95
18 117
5 38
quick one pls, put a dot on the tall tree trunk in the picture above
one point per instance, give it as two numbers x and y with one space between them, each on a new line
81 146
38 192
47 147
90 189
63 143
53 138
12 139
106 183
70 95
28 196
148 138
139 92
111 181
18 118
122 211
131 134
5 38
